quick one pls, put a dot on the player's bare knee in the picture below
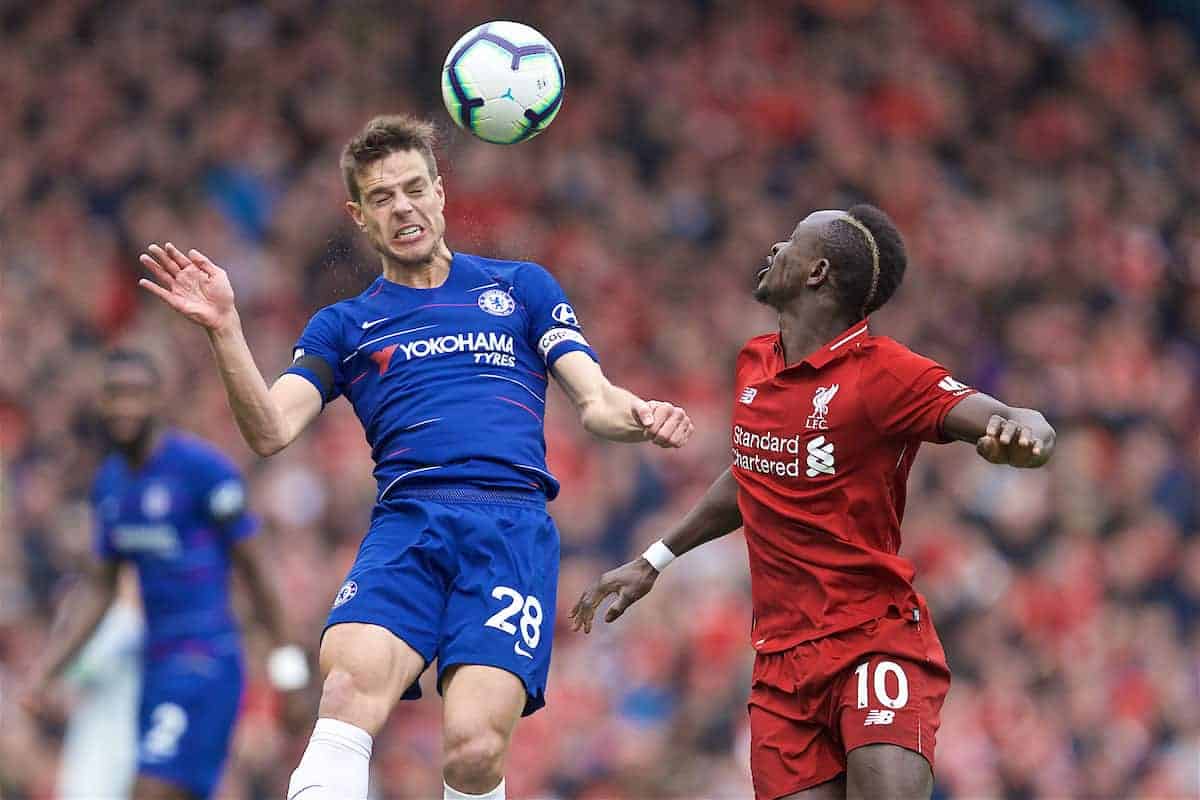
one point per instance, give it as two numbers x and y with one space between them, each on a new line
474 760
343 698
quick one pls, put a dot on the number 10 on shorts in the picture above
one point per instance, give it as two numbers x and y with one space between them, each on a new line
880 684
530 623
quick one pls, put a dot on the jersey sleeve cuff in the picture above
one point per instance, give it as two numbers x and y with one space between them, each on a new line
313 378
242 527
562 349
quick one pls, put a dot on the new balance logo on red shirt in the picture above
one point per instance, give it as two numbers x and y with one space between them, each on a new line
820 457
952 386
748 394
879 717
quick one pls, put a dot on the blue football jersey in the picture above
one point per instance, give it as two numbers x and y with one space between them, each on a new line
175 519
449 383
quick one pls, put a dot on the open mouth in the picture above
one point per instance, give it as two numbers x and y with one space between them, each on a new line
408 233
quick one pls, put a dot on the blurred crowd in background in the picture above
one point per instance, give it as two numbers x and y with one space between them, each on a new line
1040 156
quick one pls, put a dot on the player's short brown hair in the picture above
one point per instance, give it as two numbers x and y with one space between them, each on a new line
383 136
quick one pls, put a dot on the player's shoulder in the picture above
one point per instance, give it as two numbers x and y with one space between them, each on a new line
758 345
884 348
203 460
509 274
107 477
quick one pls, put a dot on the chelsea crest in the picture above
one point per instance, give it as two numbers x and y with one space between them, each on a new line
498 303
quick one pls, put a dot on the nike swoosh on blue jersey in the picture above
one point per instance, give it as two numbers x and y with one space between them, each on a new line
373 323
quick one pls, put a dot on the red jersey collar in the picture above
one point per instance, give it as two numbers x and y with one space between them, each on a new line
834 348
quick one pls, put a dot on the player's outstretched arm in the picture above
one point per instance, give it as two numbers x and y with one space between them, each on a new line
713 517
74 624
1019 437
269 419
287 666
617 414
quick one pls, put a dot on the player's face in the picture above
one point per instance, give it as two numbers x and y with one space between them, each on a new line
400 208
129 404
794 264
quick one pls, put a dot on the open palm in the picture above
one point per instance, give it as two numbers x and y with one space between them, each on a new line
191 284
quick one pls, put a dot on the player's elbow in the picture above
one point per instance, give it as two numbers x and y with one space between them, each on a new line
266 446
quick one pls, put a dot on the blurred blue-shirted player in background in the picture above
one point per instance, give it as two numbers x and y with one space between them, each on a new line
446 359
174 508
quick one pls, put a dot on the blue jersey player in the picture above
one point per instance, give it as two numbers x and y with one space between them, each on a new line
445 359
174 508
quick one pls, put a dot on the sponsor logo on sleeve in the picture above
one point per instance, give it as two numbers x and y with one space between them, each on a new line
227 500
297 354
952 386
345 594
556 336
565 315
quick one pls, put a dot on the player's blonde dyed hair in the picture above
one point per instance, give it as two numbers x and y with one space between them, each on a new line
382 136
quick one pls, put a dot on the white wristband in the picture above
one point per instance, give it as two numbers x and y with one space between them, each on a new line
659 555
287 668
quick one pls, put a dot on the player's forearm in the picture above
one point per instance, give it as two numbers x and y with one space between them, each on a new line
262 424
714 516
265 599
610 415
76 621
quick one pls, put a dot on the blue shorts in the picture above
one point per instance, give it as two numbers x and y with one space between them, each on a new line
468 580
185 721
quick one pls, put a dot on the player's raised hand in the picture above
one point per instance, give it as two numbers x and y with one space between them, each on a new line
1009 442
664 424
189 283
629 582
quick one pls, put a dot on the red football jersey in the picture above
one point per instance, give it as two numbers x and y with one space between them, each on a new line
821 454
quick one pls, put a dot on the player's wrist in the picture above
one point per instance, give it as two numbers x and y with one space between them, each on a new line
659 556
226 326
287 668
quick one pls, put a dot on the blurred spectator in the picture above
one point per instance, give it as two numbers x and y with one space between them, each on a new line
1039 155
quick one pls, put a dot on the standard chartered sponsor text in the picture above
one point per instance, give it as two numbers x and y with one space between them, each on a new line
770 443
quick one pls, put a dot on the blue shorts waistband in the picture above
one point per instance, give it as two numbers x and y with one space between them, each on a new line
467 495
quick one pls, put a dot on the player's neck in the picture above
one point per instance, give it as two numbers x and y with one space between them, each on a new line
803 333
424 275
138 452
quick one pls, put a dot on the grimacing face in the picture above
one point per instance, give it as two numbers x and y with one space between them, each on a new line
790 263
400 208
130 402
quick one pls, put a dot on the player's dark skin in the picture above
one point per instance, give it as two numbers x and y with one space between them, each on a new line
798 282
131 407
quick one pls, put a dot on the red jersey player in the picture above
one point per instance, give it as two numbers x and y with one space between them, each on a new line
849 676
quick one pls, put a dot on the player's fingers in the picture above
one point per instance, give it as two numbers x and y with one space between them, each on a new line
160 255
683 433
1025 437
158 291
154 268
994 423
1007 432
203 262
643 413
989 449
177 255
618 607
663 433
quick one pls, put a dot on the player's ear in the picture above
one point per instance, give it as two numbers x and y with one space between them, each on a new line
818 274
440 191
356 214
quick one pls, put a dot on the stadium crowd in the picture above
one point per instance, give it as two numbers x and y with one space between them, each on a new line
1039 155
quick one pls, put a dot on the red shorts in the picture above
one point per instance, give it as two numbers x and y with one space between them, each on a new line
883 682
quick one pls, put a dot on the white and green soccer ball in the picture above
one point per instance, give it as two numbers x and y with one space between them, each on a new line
503 82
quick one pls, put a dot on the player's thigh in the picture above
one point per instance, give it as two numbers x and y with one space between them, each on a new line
366 669
887 772
148 787
501 608
830 790
479 698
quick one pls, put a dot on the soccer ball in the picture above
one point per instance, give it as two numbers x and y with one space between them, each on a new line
503 82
